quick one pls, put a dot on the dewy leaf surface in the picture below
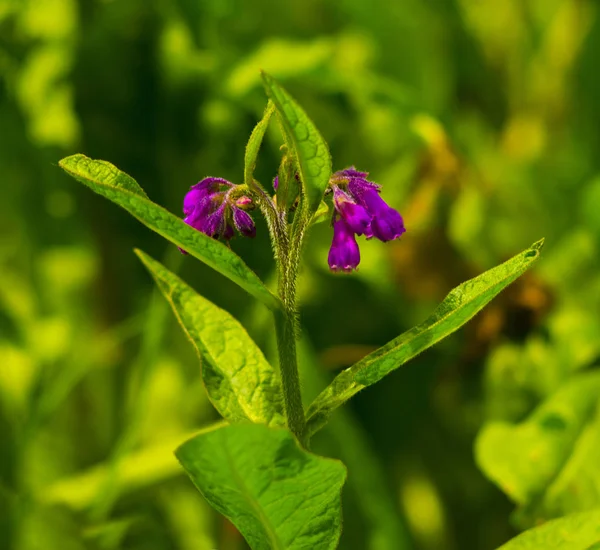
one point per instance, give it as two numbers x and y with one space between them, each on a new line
461 305
573 532
312 153
254 143
240 382
110 182
278 495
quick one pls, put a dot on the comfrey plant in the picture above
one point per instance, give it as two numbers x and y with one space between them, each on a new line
255 467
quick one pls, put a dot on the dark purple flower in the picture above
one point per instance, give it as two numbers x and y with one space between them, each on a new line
276 183
344 254
357 218
386 222
215 207
358 210
244 223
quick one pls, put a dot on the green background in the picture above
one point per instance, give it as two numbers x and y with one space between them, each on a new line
481 121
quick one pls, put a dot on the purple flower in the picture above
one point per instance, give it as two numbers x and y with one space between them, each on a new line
244 223
216 206
361 211
357 218
344 254
386 223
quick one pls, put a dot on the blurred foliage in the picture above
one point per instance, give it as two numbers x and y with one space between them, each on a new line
481 121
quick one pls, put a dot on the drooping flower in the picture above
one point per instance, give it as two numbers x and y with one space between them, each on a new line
360 207
357 218
216 206
344 254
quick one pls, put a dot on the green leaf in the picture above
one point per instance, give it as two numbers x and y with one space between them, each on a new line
254 143
548 463
573 532
277 494
240 383
311 151
108 181
461 305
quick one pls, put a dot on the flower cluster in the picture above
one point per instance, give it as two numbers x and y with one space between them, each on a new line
359 210
216 206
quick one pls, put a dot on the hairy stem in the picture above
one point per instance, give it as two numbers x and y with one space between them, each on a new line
285 330
287 256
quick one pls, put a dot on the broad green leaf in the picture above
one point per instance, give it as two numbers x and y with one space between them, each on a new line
108 181
254 143
573 532
312 153
577 486
278 495
461 305
240 383
548 463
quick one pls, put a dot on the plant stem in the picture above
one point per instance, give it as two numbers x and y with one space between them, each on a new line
287 257
290 381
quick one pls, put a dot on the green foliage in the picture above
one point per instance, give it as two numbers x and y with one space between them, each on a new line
573 532
253 145
548 463
108 181
461 305
239 381
310 150
278 495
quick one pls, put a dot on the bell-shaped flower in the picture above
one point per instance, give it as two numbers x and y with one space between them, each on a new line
357 218
216 207
344 254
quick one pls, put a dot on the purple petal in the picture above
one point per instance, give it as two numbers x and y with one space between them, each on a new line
214 225
351 172
244 223
203 189
276 183
357 218
387 223
197 217
344 254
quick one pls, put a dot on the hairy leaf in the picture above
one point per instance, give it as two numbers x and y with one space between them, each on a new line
254 143
461 305
240 383
108 181
277 494
311 151
572 532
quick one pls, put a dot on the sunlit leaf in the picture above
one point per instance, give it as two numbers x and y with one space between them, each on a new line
278 495
461 305
523 458
573 532
110 182
312 153
254 143
240 383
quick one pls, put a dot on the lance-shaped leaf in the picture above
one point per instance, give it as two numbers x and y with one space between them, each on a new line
572 532
240 382
254 143
461 305
278 495
310 149
110 182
